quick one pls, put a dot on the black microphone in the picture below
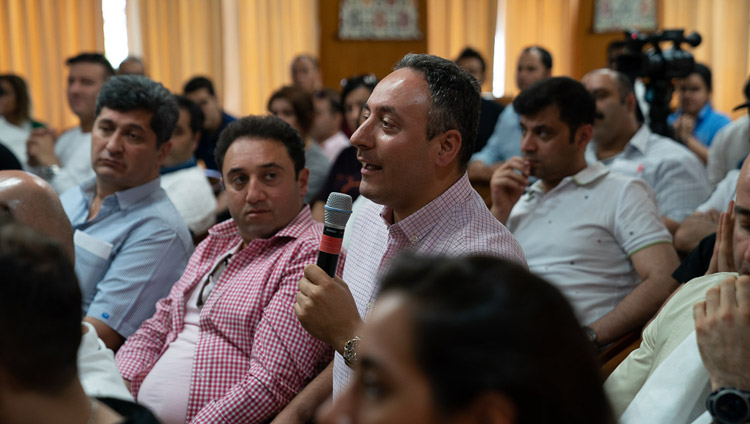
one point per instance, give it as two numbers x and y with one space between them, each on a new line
338 209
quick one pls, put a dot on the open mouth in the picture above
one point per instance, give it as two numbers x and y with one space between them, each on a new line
368 167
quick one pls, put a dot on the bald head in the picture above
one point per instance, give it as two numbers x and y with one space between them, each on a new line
34 203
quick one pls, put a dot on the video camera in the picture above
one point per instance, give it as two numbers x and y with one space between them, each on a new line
657 67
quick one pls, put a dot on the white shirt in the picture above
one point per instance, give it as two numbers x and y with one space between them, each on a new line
191 193
334 144
14 138
676 175
73 150
725 191
580 235
729 147
97 370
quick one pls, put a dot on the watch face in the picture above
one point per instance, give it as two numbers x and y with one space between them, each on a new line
730 407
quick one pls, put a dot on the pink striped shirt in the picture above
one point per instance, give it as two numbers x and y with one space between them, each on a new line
252 355
456 223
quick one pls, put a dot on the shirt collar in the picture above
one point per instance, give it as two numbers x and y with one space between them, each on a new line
705 110
583 177
640 139
417 225
124 198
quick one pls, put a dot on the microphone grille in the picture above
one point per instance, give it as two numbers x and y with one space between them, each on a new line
338 209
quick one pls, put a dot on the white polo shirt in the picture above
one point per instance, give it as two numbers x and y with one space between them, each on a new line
579 236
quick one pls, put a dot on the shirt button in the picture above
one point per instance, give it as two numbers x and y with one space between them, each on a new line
414 239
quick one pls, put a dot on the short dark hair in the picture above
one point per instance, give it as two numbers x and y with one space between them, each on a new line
575 104
39 351
311 58
369 81
704 72
469 53
499 322
544 56
301 102
455 99
96 58
195 112
130 92
197 83
333 97
266 127
22 111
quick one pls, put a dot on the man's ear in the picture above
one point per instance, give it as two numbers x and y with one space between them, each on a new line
583 135
630 102
449 148
164 151
302 178
196 140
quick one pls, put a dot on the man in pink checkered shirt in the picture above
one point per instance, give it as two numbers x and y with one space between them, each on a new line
225 346
415 142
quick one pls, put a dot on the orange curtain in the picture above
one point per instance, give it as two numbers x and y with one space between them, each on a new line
37 37
725 28
178 39
455 24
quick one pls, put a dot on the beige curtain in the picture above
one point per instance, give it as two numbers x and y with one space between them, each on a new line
725 28
37 36
263 36
547 23
179 39
455 24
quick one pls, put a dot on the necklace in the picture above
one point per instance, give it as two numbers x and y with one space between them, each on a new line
92 413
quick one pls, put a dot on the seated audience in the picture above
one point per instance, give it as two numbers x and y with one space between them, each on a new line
697 344
472 62
15 115
295 107
326 129
131 243
65 161
695 122
225 345
132 65
306 73
38 355
417 198
595 234
436 311
345 174
200 90
183 180
731 144
534 64
628 147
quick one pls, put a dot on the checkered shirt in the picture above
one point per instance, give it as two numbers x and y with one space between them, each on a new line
455 223
253 355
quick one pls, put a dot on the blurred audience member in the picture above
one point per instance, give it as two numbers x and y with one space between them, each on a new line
38 355
472 62
131 243
628 147
65 162
132 65
183 180
534 64
15 115
731 144
436 311
295 107
306 73
200 90
695 122
329 118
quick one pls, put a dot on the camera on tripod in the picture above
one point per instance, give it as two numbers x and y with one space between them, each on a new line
657 67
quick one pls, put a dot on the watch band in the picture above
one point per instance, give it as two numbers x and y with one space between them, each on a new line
350 352
729 405
49 172
591 335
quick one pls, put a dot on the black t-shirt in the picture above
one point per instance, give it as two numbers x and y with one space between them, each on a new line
344 176
696 263
8 160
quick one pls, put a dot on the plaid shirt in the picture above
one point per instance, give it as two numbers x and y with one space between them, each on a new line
253 356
